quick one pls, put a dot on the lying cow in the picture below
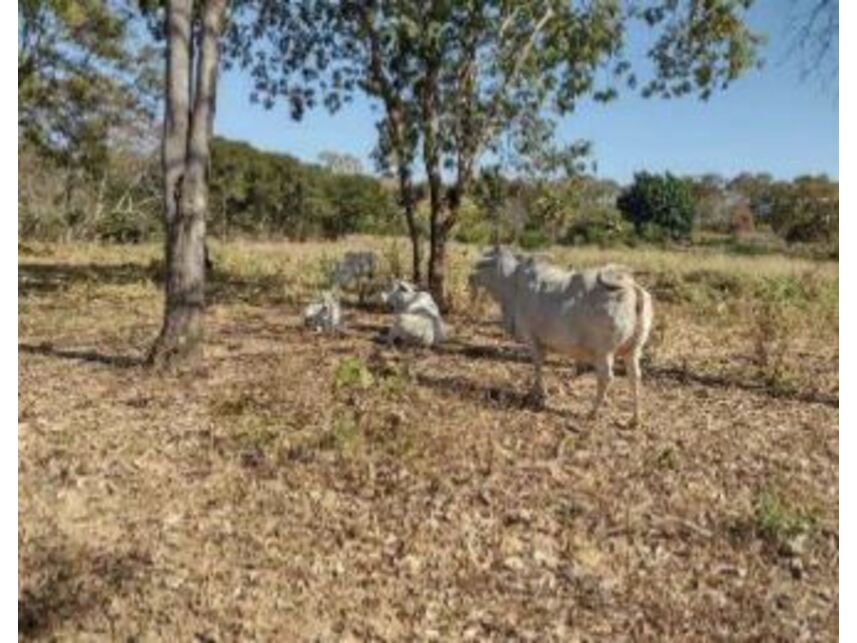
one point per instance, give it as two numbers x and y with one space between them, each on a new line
324 313
591 315
418 319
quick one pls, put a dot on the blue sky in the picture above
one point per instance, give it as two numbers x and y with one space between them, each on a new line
770 120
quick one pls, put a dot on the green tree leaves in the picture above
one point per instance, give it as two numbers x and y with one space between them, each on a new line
262 192
805 210
659 202
85 81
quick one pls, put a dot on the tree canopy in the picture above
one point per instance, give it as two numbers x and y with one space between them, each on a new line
86 79
464 74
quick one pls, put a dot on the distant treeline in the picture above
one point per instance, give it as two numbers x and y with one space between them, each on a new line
252 193
261 194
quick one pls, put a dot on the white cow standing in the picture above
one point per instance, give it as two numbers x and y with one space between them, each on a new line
592 315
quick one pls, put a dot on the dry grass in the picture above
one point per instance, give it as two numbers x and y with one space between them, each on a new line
303 487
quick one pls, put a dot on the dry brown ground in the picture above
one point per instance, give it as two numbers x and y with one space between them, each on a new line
271 494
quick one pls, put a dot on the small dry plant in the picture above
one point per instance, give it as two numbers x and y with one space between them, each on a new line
774 323
772 336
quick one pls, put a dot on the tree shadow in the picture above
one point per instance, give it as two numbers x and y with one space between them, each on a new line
121 361
45 278
683 375
71 583
221 286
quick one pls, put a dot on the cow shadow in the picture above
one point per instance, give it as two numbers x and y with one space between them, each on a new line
491 395
671 373
490 352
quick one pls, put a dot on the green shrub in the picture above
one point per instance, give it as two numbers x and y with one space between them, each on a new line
128 226
663 202
352 372
604 227
533 238
473 225
779 521
806 210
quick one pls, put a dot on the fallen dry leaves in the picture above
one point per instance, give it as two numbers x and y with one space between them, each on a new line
264 496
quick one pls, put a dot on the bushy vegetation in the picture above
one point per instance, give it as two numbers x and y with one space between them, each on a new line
806 210
658 206
258 194
802 211
253 193
120 202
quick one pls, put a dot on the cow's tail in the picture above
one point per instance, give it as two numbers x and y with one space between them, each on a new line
644 316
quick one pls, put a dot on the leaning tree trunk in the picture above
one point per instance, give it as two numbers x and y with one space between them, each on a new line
185 154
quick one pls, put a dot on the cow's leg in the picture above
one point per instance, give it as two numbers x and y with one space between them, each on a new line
632 366
604 371
536 396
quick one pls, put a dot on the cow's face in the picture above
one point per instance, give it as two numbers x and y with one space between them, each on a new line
397 293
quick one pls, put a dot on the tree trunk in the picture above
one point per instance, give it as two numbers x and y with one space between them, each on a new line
406 194
416 254
431 158
437 267
398 129
404 160
185 154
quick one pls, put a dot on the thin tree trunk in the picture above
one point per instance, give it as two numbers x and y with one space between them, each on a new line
398 130
406 194
404 159
437 267
185 159
431 158
209 264
416 254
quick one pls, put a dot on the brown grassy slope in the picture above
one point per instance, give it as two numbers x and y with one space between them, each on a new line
304 487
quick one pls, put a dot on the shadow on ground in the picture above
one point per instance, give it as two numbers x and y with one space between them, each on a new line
73 581
493 396
221 286
123 361
224 287
684 375
44 278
